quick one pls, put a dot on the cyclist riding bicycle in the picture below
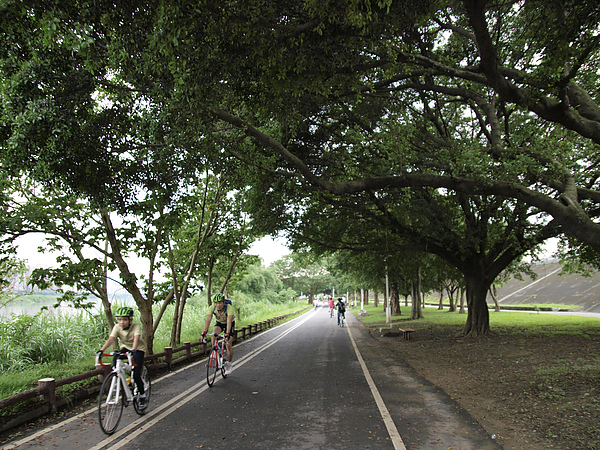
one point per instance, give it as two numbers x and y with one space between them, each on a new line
223 311
130 336
331 306
341 309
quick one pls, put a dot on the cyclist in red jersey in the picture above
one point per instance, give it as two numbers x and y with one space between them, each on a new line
225 322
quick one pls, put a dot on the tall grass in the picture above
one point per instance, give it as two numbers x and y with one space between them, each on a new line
49 344
49 337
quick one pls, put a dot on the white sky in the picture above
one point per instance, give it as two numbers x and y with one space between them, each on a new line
268 248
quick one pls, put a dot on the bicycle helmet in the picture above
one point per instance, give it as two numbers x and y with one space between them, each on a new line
124 311
219 298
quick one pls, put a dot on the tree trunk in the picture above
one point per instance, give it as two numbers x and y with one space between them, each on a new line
416 312
130 283
462 301
493 295
103 291
478 318
394 300
451 292
441 304
375 299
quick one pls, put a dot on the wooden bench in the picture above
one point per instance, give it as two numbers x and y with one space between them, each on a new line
407 333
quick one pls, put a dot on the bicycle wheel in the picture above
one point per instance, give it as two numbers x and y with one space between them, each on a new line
110 403
212 366
147 390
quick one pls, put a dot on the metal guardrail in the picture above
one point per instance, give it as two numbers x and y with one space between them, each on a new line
46 390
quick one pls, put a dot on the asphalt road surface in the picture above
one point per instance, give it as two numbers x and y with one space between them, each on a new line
306 384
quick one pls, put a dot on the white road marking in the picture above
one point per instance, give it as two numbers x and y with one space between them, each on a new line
529 285
385 414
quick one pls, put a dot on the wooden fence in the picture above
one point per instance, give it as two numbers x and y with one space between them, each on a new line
46 389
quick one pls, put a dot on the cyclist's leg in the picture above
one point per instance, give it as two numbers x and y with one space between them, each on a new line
229 345
217 329
138 359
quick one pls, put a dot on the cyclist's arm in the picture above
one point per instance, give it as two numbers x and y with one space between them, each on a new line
230 318
207 322
108 343
136 341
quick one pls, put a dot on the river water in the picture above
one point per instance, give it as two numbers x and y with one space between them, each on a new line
32 309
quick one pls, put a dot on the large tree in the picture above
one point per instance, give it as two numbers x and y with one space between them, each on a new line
313 85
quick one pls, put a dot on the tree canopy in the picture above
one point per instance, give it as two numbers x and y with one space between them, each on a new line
471 119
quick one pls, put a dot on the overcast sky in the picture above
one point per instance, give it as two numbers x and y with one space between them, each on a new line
267 248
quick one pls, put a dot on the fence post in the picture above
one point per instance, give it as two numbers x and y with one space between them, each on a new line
47 387
168 356
188 349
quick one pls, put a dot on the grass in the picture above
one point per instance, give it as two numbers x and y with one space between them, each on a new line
520 322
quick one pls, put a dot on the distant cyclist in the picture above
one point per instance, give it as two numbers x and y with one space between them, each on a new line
223 311
341 309
130 337
331 306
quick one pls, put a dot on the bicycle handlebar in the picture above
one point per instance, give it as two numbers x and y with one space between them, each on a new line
127 353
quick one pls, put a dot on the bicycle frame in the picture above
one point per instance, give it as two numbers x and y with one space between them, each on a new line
216 359
116 393
120 369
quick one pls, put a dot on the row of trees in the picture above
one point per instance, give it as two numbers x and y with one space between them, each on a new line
391 131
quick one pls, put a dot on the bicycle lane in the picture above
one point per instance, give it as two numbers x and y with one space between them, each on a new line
306 390
169 396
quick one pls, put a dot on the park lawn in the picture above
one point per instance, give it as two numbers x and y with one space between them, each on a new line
532 322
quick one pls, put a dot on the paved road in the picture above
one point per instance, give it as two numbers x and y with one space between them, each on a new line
306 384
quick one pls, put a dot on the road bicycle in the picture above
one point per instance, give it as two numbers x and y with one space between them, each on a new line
331 312
216 360
119 390
341 319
